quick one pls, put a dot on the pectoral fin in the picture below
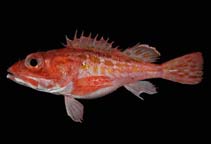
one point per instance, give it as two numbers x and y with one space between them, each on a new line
141 87
74 109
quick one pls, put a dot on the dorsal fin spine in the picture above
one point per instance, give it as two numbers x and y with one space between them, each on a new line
139 52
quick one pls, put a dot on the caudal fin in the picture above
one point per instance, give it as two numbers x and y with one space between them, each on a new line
186 69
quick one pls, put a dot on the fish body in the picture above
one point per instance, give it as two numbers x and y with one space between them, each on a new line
90 68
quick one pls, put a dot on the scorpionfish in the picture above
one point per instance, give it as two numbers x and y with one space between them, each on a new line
90 67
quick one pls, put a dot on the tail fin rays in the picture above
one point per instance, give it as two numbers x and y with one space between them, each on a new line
186 69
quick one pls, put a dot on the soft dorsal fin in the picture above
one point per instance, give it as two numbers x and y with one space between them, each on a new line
84 42
142 52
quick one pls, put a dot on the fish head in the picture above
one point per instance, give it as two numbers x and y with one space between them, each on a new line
44 71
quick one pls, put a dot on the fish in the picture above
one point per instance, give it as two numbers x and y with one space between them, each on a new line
90 67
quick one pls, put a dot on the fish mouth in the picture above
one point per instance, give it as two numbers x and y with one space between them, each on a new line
22 80
11 76
33 83
16 79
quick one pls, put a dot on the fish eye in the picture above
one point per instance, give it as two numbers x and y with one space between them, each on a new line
33 62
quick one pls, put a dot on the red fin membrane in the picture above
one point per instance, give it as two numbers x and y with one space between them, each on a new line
142 52
186 69
84 42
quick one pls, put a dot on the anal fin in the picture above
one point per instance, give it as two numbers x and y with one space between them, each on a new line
141 87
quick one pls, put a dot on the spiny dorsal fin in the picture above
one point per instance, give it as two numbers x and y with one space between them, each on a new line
142 52
84 42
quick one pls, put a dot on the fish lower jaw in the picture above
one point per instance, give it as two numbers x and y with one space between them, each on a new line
11 77
15 79
19 80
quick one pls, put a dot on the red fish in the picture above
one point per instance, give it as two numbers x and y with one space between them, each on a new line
90 67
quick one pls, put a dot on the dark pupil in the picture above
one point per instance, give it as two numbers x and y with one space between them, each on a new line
33 62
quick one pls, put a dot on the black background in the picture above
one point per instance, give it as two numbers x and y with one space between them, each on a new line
176 111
